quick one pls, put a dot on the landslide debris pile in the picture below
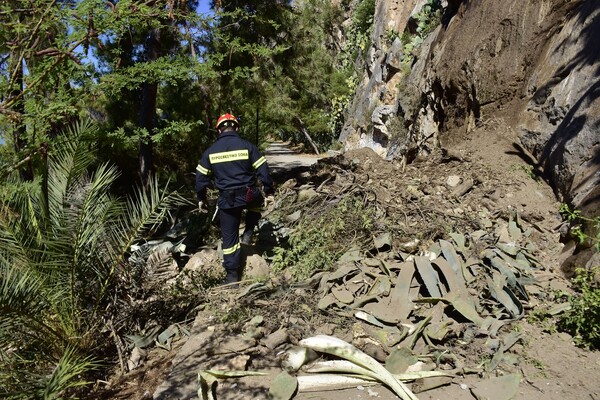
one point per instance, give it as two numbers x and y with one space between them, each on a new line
423 269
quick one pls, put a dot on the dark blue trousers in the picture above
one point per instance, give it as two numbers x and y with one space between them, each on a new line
230 234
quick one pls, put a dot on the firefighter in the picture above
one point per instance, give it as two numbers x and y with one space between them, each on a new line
234 163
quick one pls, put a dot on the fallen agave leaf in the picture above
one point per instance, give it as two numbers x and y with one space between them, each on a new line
342 349
508 342
559 308
456 282
296 357
283 387
514 231
368 318
208 380
429 276
145 340
399 360
505 297
348 367
324 382
510 249
454 260
342 294
164 339
461 305
326 301
384 240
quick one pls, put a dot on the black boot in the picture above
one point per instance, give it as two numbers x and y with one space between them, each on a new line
247 237
232 277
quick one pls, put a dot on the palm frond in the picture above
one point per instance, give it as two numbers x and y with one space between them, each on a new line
24 319
146 210
67 374
22 380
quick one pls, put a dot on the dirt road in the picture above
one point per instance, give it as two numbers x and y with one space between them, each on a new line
284 161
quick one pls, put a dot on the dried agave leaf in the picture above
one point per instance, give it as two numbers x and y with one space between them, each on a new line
381 286
343 271
509 249
559 308
512 262
399 360
466 309
326 302
342 349
399 295
324 382
383 240
509 341
504 269
368 318
390 336
283 387
429 276
362 300
456 282
460 241
504 296
531 258
417 333
438 331
423 385
164 339
435 250
342 294
454 260
514 231
352 255
460 304
142 341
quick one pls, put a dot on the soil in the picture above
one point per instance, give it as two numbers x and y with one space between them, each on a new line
504 177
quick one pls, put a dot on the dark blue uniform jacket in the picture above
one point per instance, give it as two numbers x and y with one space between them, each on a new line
234 163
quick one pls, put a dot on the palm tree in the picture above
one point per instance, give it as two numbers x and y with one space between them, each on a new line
63 244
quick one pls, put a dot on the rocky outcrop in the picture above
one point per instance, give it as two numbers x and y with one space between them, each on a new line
560 124
535 63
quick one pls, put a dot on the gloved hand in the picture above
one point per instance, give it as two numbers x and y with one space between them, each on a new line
269 201
202 207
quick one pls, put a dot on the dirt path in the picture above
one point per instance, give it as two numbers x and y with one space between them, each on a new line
286 162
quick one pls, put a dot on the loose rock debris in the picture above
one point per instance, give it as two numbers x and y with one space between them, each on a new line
432 290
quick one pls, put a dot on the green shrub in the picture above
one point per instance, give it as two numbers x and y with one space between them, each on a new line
316 244
583 320
363 15
584 229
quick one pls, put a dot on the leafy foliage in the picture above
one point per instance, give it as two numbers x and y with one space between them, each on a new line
62 258
316 244
426 21
583 320
582 228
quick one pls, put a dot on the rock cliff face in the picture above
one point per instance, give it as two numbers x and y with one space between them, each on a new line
534 63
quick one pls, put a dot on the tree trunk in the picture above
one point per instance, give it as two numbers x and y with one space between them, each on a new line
19 129
307 136
148 111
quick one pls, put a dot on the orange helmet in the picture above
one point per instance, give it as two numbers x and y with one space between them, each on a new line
227 117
